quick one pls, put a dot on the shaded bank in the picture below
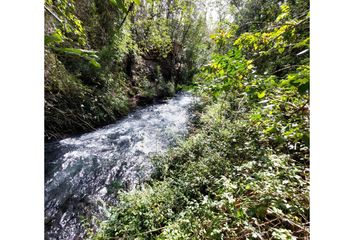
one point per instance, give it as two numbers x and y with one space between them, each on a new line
104 58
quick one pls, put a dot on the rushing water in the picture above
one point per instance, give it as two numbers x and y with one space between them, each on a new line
83 172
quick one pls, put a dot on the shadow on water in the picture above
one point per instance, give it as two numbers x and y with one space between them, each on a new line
83 172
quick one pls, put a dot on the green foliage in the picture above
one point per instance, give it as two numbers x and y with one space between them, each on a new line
72 106
93 47
175 32
157 38
222 183
86 54
244 171
69 32
70 26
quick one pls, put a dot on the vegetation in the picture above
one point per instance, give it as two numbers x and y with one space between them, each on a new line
102 58
243 173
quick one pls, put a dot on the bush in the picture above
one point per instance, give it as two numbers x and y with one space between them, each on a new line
222 183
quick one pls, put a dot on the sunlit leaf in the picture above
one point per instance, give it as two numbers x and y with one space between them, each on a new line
261 94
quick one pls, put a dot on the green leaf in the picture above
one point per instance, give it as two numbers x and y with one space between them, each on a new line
256 117
281 16
113 2
121 6
261 94
95 63
302 43
72 50
53 38
240 214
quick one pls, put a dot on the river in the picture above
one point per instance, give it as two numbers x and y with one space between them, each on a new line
84 173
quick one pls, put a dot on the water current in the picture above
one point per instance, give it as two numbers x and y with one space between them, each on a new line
83 173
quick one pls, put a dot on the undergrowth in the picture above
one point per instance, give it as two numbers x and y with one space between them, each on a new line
222 183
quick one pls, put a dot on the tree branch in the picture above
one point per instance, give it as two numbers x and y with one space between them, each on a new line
125 17
53 14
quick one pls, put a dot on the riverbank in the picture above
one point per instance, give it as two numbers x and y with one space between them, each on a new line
223 182
83 173
73 106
